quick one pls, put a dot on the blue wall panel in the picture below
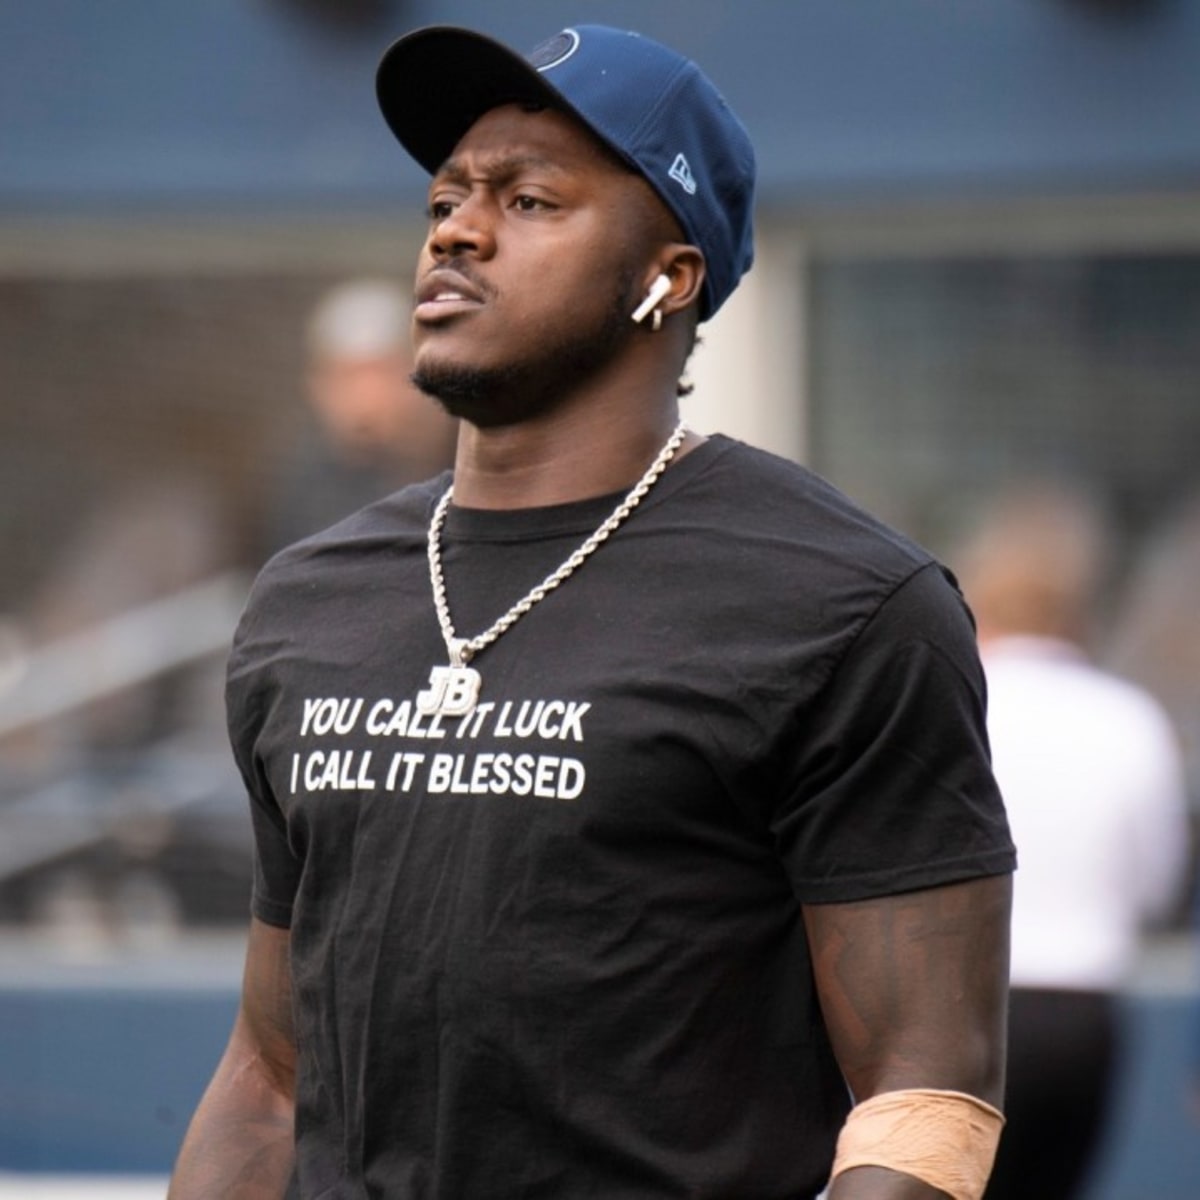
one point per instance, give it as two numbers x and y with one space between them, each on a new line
247 102
104 1079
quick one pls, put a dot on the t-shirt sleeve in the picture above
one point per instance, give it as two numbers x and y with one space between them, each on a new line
891 788
248 698
276 870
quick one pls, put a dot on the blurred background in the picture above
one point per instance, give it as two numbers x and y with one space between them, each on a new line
978 264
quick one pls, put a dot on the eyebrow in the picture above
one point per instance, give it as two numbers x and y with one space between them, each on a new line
498 170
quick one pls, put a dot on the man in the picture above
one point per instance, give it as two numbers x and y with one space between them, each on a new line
622 799
1094 784
373 431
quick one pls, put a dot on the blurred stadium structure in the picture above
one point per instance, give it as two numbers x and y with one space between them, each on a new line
979 258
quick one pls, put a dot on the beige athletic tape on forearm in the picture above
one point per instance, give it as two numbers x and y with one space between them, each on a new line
945 1139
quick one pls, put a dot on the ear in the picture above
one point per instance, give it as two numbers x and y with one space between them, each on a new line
683 265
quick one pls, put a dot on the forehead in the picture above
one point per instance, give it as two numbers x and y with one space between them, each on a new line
550 139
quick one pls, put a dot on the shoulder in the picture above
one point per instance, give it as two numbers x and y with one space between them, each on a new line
364 558
764 491
1022 664
1043 688
1136 719
781 556
802 540
396 522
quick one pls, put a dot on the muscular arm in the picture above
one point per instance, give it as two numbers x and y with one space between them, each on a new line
239 1145
914 993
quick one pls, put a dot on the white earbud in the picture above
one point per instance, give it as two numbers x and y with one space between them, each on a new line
658 289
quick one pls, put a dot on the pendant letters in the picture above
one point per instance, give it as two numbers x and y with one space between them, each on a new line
452 692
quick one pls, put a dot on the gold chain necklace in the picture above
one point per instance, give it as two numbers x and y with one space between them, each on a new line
454 690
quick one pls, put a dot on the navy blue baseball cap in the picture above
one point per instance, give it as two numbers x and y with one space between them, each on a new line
650 105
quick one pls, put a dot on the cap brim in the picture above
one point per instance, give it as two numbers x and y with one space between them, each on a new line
435 83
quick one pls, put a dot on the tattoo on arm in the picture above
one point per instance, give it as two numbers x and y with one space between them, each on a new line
913 987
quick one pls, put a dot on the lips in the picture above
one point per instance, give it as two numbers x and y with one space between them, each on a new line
445 293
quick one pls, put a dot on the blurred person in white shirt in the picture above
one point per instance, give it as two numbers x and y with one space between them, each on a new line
1091 772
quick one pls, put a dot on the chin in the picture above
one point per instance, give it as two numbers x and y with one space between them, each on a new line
480 395
540 373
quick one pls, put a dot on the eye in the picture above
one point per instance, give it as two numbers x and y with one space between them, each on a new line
524 202
439 210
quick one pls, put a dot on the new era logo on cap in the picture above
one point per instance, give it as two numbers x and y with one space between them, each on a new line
681 172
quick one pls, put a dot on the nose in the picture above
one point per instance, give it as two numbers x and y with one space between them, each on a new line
466 229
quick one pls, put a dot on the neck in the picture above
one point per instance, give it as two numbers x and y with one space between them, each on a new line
572 453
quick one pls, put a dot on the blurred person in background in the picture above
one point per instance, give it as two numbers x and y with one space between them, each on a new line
374 431
1092 776
1156 641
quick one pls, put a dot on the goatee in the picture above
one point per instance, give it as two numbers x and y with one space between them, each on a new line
505 395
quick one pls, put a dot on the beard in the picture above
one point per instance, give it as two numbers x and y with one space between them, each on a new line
530 386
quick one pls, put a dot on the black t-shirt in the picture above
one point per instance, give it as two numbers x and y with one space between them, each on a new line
555 948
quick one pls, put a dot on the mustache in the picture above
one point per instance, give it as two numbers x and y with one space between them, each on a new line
465 270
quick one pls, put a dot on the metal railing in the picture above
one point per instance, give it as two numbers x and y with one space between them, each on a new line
76 804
